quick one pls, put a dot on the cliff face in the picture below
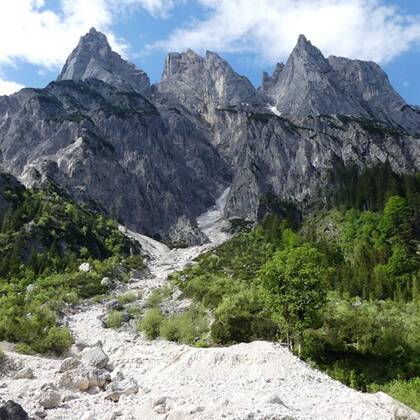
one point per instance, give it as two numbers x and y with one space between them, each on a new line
144 165
156 157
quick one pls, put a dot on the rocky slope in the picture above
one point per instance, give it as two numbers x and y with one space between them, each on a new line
128 377
156 157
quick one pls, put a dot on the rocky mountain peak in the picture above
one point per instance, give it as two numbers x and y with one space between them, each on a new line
269 82
93 58
203 84
307 55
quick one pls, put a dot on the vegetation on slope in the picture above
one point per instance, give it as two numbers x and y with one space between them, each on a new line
44 238
342 288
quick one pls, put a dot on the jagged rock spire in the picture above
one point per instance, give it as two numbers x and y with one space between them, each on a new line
93 58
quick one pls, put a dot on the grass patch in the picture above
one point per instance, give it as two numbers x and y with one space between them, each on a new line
114 320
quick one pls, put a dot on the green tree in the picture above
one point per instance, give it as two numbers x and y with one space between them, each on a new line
295 285
396 219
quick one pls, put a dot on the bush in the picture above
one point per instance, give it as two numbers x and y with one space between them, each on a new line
151 322
157 296
188 327
58 340
114 319
128 297
243 318
135 262
24 348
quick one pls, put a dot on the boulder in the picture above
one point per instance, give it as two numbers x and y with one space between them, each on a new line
69 363
49 396
118 388
98 378
85 267
107 282
24 373
74 381
113 305
80 345
94 356
13 411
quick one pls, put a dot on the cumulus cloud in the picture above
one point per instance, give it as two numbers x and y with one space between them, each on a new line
365 29
32 32
7 87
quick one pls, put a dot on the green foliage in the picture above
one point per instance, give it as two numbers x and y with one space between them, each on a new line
151 323
128 297
371 188
58 340
188 327
295 284
44 238
407 392
343 285
134 262
114 319
157 296
242 317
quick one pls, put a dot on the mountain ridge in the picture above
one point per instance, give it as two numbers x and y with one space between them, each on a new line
155 157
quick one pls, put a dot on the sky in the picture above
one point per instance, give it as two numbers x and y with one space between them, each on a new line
36 36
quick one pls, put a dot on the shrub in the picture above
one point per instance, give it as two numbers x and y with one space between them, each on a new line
24 348
157 296
188 327
128 297
135 262
242 318
58 340
151 322
114 319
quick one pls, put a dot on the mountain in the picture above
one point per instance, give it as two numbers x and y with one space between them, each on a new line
157 157
94 59
204 84
311 85
148 166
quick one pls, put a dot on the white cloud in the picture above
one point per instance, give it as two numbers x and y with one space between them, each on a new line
365 29
31 32
7 87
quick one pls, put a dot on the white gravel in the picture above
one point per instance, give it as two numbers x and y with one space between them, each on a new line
257 381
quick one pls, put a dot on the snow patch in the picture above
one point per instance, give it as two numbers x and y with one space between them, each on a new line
274 110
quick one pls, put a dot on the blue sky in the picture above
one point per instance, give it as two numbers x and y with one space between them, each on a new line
251 34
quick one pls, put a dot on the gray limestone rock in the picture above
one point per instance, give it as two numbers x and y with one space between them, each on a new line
204 84
94 356
49 396
94 59
13 411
